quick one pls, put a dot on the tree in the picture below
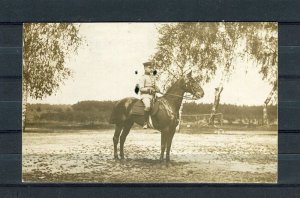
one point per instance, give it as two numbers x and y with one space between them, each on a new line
208 47
46 48
263 46
183 46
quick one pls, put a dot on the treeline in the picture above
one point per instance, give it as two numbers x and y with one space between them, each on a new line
99 112
82 112
232 112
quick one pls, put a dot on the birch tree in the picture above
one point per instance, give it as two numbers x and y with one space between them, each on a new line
208 47
46 46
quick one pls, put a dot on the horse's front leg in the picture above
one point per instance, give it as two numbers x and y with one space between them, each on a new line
115 141
169 143
118 130
163 145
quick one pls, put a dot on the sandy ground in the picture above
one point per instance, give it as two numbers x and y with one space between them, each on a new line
87 156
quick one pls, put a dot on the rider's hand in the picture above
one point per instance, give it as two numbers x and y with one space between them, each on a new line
150 91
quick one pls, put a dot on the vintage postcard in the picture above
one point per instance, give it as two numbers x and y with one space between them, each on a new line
150 102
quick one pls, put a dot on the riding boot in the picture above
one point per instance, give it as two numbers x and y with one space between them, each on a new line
146 118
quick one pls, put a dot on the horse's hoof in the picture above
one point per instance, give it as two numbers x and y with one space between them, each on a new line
116 157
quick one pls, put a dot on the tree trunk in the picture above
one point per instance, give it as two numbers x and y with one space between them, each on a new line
24 108
180 117
265 116
181 106
218 92
265 108
215 105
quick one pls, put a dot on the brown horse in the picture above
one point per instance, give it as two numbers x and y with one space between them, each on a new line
165 119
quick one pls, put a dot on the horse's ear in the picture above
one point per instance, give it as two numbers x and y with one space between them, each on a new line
189 74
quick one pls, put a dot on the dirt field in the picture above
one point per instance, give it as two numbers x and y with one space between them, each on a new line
87 156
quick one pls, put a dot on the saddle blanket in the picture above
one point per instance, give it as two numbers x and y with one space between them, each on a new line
138 108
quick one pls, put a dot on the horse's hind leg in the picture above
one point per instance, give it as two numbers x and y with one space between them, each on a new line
127 126
118 130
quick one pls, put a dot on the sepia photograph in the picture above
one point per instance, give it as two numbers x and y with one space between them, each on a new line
187 102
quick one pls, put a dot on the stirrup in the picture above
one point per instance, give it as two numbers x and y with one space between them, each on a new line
145 126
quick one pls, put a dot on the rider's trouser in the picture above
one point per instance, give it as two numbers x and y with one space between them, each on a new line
147 99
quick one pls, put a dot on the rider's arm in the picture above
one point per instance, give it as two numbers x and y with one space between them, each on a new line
157 89
143 89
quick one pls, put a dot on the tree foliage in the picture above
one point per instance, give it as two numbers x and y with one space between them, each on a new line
262 45
46 49
208 47
183 46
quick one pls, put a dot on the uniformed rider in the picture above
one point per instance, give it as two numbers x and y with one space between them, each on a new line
147 87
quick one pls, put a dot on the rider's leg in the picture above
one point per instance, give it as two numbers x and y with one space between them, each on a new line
147 103
146 118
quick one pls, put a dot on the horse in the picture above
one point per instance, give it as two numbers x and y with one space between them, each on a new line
165 119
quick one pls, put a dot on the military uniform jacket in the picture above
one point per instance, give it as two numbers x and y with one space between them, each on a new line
147 83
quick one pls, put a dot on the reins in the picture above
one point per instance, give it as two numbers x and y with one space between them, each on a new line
185 97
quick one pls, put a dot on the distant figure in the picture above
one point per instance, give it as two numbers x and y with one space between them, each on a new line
147 88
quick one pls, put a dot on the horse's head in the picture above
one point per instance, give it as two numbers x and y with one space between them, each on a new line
192 86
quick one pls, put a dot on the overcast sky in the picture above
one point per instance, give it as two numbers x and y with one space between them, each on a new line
105 68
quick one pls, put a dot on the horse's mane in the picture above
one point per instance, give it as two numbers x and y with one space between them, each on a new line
171 82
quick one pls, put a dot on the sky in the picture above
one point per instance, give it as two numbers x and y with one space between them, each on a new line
104 68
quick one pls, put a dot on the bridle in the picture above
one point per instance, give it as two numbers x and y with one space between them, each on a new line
185 97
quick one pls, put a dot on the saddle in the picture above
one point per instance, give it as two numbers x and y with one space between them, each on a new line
138 108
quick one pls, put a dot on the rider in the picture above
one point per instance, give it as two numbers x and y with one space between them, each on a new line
148 88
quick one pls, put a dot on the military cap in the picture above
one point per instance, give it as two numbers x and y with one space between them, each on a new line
146 64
